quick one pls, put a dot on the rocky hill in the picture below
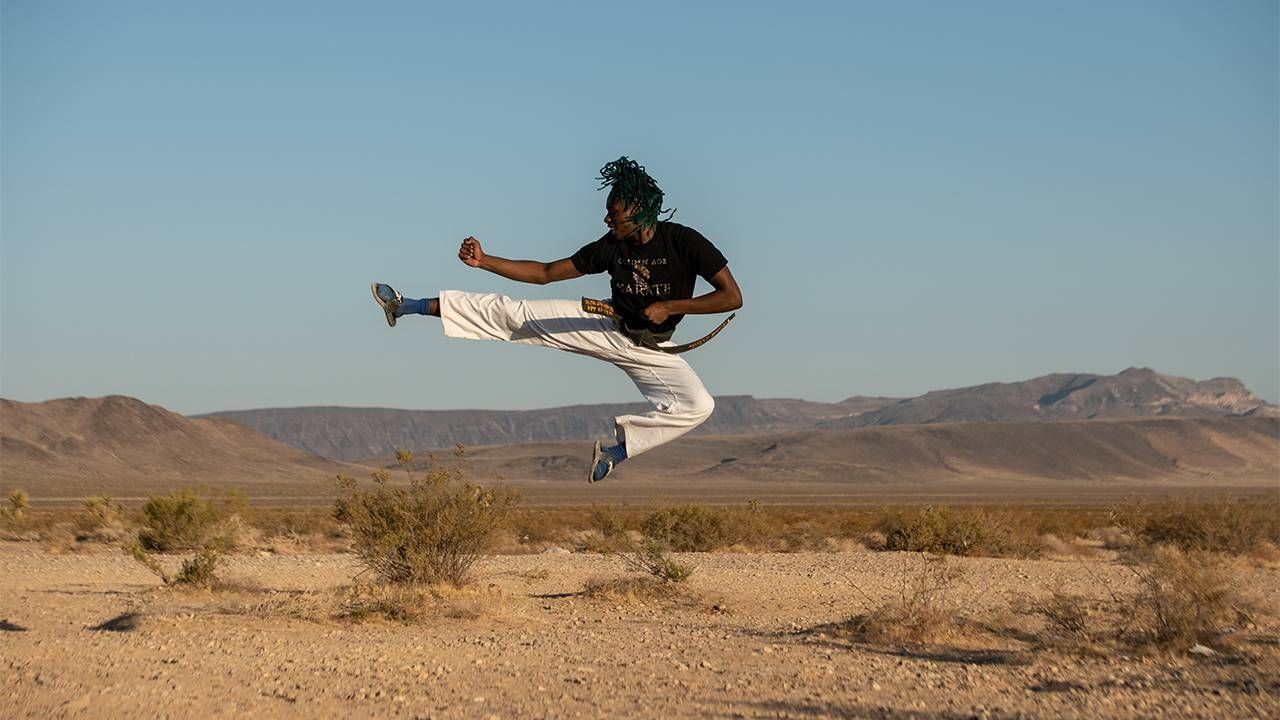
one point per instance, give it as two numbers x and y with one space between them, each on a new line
123 446
1135 392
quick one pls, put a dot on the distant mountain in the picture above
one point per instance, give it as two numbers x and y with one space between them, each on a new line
65 449
362 433
120 445
1135 392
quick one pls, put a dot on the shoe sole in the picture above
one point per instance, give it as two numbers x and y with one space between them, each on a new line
391 319
595 460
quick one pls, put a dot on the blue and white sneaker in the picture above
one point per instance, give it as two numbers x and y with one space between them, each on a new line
601 464
388 299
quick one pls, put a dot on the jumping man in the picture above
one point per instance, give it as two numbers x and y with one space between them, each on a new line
652 266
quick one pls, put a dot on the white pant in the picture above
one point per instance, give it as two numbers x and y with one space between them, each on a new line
680 401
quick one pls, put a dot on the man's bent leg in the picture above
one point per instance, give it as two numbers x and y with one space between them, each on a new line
681 402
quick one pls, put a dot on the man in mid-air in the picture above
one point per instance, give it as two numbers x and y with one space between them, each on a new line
652 265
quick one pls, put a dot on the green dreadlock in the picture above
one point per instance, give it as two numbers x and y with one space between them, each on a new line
631 185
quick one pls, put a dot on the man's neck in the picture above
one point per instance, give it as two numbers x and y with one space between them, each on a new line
642 236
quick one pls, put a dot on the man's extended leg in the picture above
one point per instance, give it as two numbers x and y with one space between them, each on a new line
680 400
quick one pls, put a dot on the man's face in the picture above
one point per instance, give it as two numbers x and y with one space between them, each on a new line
616 217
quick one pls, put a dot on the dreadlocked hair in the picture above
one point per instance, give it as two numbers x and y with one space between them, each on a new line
629 184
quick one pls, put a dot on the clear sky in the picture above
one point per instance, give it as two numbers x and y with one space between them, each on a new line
194 197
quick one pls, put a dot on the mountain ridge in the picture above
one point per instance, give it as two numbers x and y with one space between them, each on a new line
344 433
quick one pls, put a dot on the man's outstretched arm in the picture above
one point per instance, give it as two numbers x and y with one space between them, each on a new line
530 271
725 297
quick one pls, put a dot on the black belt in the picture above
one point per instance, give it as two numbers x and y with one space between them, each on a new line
646 337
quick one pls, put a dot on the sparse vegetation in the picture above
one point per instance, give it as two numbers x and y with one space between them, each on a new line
1237 527
431 530
200 570
923 612
650 556
100 519
1188 597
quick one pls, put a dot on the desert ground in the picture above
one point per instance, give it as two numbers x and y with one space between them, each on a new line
748 635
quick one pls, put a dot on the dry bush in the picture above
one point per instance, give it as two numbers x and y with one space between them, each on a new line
198 571
608 522
187 520
1073 623
1113 537
536 529
19 503
430 531
651 557
967 531
1186 598
923 612
100 519
700 528
1224 525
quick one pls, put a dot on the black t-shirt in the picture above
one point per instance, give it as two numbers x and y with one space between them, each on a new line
665 268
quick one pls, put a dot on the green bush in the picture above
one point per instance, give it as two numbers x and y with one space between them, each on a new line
934 529
699 528
651 557
184 520
432 530
19 502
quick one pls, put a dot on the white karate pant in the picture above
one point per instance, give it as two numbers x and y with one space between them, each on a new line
680 401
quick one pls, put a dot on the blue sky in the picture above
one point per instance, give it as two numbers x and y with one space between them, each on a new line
194 197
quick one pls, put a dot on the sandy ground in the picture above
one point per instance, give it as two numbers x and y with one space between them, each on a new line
755 641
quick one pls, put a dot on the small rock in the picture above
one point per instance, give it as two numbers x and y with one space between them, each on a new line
1202 650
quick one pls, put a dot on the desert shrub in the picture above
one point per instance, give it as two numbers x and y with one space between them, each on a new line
967 531
19 503
1187 597
432 530
699 528
200 570
398 602
650 557
100 518
934 528
185 520
1074 623
608 522
923 611
1229 526
536 528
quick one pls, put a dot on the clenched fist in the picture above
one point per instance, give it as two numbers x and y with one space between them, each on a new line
657 313
470 252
